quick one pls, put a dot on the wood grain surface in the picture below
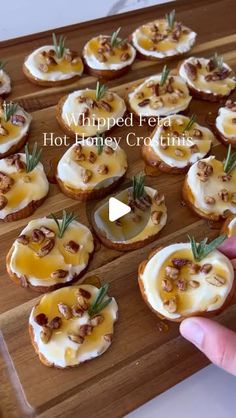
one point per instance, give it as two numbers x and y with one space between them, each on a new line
145 358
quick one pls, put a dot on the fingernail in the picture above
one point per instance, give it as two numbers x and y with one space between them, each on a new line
192 331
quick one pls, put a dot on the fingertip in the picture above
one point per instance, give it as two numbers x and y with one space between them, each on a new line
192 331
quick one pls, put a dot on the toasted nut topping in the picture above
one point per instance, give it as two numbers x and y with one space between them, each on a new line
206 268
109 96
11 160
37 236
194 149
85 329
82 302
209 200
59 274
23 239
233 198
197 133
45 335
41 319
92 157
225 177
144 103
106 106
6 182
179 152
193 268
77 311
84 293
125 56
194 284
17 120
65 310
108 150
102 169
156 104
3 131
55 323
72 247
43 68
86 175
159 198
96 320
47 247
49 233
216 280
224 195
182 285
78 148
167 285
3 202
179 262
76 338
156 217
172 272
108 337
170 305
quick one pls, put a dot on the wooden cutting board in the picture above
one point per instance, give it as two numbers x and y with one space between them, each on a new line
146 357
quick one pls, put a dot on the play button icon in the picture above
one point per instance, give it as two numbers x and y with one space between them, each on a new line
117 209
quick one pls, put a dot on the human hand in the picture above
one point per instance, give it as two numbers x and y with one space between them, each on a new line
215 341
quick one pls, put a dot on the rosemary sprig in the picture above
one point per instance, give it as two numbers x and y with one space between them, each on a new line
32 159
100 142
62 226
218 61
170 18
201 250
2 64
164 75
100 91
114 38
9 109
230 161
190 123
59 45
138 186
99 302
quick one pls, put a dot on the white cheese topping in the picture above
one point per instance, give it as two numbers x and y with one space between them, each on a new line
27 187
14 133
62 351
226 123
206 297
5 83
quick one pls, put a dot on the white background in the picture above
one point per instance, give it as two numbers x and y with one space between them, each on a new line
210 393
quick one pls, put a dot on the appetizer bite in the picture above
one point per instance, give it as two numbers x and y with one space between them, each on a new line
91 169
159 95
163 38
14 127
50 253
5 81
226 123
187 279
72 325
23 185
209 187
142 225
177 143
208 78
85 112
108 56
53 65
229 226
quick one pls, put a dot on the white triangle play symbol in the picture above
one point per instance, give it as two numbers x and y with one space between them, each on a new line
117 209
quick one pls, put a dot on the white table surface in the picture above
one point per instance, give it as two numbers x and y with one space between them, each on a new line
209 393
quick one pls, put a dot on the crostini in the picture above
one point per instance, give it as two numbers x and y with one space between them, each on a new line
53 65
176 144
187 279
163 94
50 253
209 187
91 169
14 127
5 81
72 325
163 38
229 226
208 78
85 112
137 228
108 56
23 185
225 126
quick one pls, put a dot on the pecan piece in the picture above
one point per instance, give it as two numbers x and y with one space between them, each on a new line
224 195
197 133
156 217
82 302
194 149
45 335
179 262
109 96
233 198
65 310
193 268
216 280
84 293
47 247
103 169
206 268
170 305
6 182
23 239
108 150
108 337
167 285
44 68
159 198
37 236
179 152
76 338
194 284
181 285
55 323
72 247
77 311
17 120
3 202
20 165
125 56
191 71
49 233
209 200
225 177
92 157
144 103
86 175
96 320
172 272
59 274
3 131
106 106
41 319
85 329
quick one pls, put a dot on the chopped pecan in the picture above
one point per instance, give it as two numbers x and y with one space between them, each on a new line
55 323
144 103
45 335
109 96
3 202
41 319
3 131
85 329
59 274
49 233
179 262
156 104
216 280
44 68
233 198
225 177
82 302
167 285
159 198
65 310
84 293
224 195
20 165
103 169
17 120
124 57
191 71
197 133
108 150
194 284
46 248
72 247
92 157
209 200
86 175
193 268
106 106
172 272
170 305
181 285
206 268
96 320
37 236
156 217
76 338
194 149
6 182
77 311
23 239
108 337
179 152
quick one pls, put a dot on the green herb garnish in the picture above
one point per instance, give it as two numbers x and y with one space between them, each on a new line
201 250
170 18
100 143
67 218
59 45
164 75
114 38
218 60
100 91
138 186
230 161
2 64
190 123
99 303
9 109
32 159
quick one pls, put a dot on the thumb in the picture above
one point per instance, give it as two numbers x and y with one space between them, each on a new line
215 341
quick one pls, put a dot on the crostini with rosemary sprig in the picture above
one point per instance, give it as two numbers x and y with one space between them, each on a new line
225 124
14 127
23 184
187 279
108 56
53 65
147 217
209 187
5 81
72 325
91 168
50 253
85 112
